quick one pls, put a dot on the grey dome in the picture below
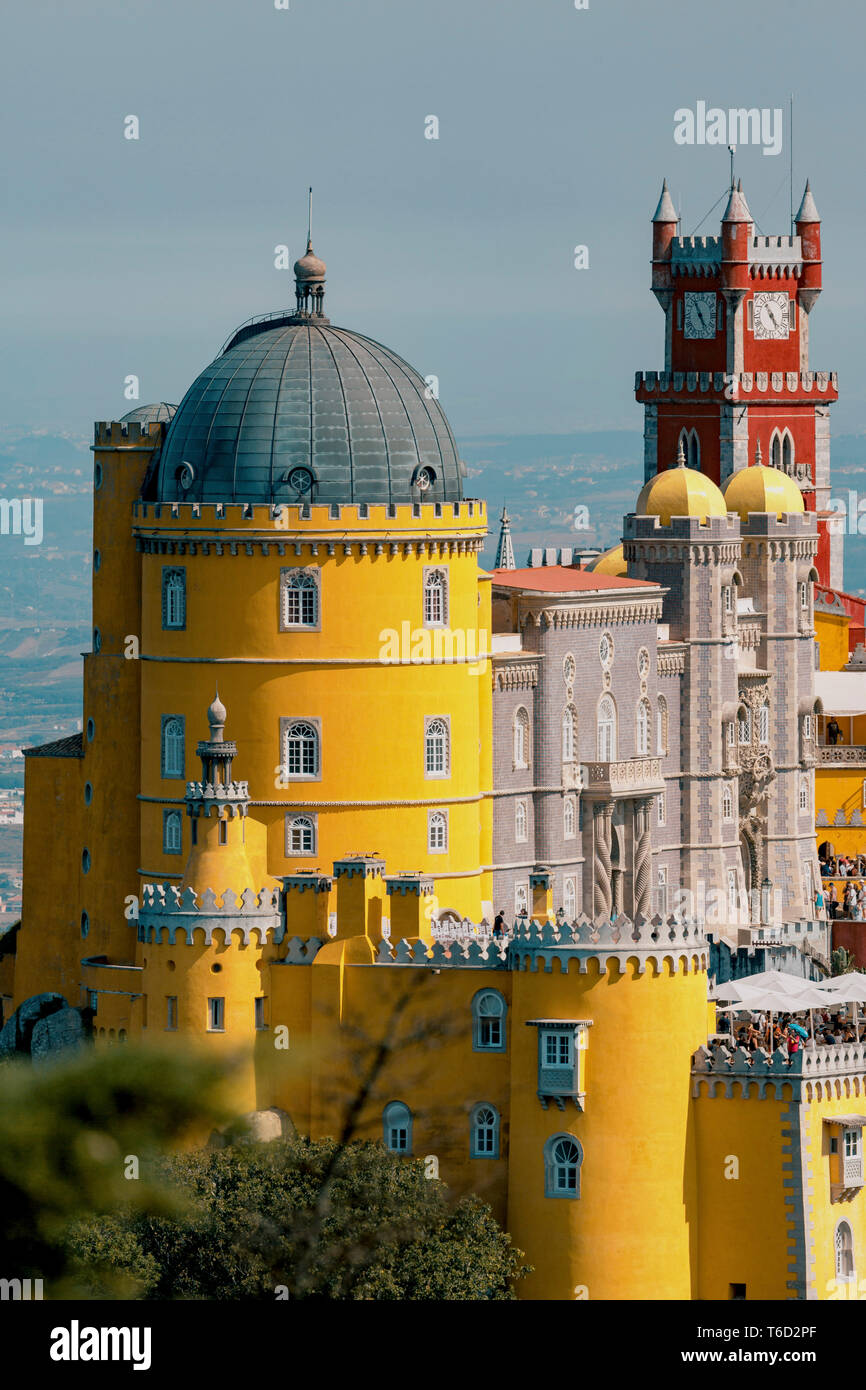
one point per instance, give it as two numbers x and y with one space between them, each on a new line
296 410
150 414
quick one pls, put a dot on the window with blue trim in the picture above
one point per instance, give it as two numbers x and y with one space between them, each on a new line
484 1131
397 1125
563 1157
488 1021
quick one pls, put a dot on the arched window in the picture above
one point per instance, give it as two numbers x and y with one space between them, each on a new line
436 750
562 1159
172 745
521 738
764 724
727 803
569 899
662 725
397 1125
300 749
437 832
691 448
568 819
171 832
643 728
606 730
787 452
173 598
484 1131
520 831
435 597
745 727
804 796
844 1244
569 734
300 835
300 598
488 1021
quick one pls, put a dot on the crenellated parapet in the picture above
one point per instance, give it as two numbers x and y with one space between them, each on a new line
602 939
203 797
132 434
736 1072
727 385
472 955
165 911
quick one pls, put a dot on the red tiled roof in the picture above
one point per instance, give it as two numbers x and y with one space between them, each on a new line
562 579
70 747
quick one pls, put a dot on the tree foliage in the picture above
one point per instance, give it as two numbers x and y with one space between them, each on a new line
296 1218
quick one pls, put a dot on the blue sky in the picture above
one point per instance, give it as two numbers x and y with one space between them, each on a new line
555 129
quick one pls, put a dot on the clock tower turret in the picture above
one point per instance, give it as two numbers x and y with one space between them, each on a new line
737 372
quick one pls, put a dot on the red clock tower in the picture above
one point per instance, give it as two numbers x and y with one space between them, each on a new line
736 384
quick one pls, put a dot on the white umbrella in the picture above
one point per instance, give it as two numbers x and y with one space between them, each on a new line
849 988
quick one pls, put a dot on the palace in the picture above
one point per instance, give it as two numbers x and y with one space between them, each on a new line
322 749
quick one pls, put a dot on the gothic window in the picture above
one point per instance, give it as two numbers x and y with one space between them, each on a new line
436 748
488 1021
662 725
727 803
484 1129
300 834
562 1159
569 899
844 1248
606 730
643 728
661 891
804 597
520 830
764 724
728 597
172 832
569 731
804 796
173 598
787 452
397 1126
568 819
776 450
172 745
521 738
435 597
300 749
437 832
300 595
690 445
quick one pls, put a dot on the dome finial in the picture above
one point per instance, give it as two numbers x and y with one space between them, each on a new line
758 454
681 454
216 718
310 276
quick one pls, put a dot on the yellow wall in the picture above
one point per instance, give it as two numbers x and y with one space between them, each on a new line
831 634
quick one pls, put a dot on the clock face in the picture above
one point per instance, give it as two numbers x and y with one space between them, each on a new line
700 314
771 314
605 650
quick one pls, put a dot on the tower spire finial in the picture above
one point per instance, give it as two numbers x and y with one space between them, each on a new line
505 548
758 454
310 222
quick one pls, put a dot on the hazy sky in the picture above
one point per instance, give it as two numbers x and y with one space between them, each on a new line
555 129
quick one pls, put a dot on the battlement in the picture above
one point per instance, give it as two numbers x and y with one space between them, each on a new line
779 254
600 938
165 909
364 865
685 528
718 1065
212 796
696 255
786 526
771 384
112 434
312 517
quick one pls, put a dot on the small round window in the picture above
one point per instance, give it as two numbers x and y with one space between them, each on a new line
91 730
424 478
300 480
97 476
85 861
85 924
605 650
97 639
97 561
88 793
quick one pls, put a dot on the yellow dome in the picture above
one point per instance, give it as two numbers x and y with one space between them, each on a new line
680 492
610 562
762 489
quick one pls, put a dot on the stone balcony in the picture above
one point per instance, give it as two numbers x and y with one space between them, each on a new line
850 754
623 778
